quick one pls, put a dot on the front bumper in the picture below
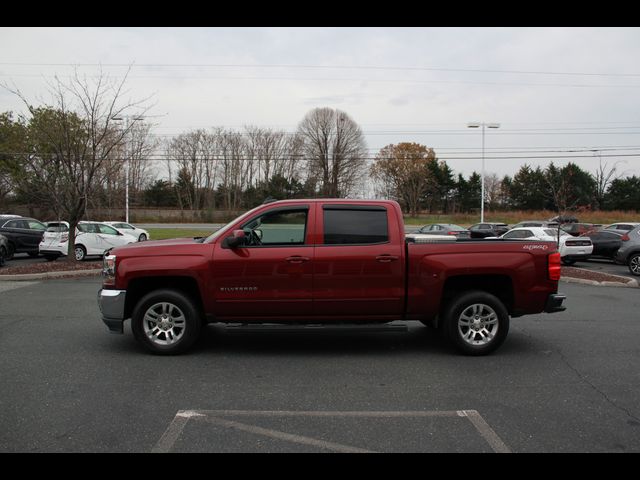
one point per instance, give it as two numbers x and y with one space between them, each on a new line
111 304
554 303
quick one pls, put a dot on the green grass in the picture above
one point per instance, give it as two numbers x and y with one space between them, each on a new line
167 233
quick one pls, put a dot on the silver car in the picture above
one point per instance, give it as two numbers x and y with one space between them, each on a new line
629 252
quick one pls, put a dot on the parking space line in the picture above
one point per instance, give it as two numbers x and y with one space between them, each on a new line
288 437
486 431
176 427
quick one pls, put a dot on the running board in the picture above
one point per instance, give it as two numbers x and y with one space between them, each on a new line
325 328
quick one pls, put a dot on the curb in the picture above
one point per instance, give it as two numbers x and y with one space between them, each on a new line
45 275
630 283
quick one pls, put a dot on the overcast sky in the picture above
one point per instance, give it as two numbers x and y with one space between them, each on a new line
552 90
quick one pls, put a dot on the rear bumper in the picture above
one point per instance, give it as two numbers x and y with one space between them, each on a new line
554 303
111 304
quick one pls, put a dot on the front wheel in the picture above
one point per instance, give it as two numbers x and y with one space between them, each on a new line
476 322
634 264
166 322
142 237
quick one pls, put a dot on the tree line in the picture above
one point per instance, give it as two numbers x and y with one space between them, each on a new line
71 154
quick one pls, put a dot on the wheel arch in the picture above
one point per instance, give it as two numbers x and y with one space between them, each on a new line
139 287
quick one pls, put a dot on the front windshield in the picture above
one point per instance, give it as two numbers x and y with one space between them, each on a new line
221 231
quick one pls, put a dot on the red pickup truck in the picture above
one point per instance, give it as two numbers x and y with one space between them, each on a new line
326 261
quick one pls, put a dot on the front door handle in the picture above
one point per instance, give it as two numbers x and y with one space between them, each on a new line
297 259
387 258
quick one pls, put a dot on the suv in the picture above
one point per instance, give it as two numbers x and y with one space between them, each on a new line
483 230
629 252
23 234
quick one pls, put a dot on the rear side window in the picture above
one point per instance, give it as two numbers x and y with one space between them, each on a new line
343 226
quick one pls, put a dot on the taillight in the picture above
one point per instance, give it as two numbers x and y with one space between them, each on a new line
452 233
554 266
64 238
625 238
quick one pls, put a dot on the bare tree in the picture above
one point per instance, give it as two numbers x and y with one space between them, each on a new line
335 149
603 178
72 138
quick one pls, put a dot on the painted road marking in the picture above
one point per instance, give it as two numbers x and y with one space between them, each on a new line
176 427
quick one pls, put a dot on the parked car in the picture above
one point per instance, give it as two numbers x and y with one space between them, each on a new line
571 248
562 219
622 227
536 223
484 230
577 229
132 230
92 238
629 252
444 229
605 244
4 248
23 234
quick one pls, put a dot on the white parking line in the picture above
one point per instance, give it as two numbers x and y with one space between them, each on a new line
176 427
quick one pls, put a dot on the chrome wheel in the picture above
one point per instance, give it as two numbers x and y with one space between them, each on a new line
478 324
142 237
634 265
164 323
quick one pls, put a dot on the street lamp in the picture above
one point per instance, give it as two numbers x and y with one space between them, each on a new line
482 125
127 119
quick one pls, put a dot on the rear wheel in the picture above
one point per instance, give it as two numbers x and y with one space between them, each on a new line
568 261
80 253
634 264
166 322
476 322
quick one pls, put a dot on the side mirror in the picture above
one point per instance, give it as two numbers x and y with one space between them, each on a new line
237 239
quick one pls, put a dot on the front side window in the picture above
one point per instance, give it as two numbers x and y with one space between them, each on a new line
279 227
344 226
33 225
106 229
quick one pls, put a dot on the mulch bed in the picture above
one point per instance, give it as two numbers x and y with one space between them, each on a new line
574 272
55 266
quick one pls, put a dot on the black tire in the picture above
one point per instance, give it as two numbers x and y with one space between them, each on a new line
3 255
11 252
476 322
80 252
142 237
50 258
181 322
568 262
634 264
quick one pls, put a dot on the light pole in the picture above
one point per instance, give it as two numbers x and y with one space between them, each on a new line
482 125
127 119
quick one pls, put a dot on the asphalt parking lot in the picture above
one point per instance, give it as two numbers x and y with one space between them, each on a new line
565 382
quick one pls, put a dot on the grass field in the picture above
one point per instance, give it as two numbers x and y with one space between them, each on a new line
166 233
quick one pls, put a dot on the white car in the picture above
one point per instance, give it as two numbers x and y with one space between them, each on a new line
92 238
571 248
140 234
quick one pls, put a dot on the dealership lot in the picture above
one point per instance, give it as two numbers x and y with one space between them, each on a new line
565 382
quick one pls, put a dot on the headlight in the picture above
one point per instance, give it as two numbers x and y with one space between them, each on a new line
109 270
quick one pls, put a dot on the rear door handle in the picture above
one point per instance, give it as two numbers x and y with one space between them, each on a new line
387 258
297 259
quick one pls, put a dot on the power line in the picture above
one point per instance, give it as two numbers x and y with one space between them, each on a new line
328 67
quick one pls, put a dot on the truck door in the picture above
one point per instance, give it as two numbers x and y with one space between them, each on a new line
359 270
271 275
